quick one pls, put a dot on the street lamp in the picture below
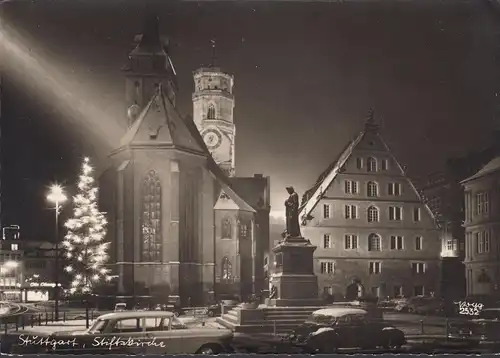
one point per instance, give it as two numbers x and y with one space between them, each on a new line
56 195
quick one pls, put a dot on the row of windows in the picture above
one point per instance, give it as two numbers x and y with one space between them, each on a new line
397 290
227 232
477 205
371 164
351 242
372 188
374 267
395 213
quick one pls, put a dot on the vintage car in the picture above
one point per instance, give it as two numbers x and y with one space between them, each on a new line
329 329
485 327
141 332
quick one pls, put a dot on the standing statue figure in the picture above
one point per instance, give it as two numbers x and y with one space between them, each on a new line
292 213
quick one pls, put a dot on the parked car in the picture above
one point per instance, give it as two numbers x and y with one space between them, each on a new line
483 327
138 332
329 329
120 307
177 311
214 310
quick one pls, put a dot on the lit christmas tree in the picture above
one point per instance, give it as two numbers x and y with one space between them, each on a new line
83 243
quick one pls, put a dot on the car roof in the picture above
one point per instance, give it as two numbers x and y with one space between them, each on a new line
339 311
136 314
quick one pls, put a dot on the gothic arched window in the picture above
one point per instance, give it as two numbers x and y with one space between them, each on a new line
226 270
371 164
151 218
372 189
211 112
226 231
372 214
374 242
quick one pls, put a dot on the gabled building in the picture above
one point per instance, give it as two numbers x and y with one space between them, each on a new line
370 224
482 227
179 230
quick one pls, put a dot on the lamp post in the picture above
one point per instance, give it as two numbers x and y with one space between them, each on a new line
56 195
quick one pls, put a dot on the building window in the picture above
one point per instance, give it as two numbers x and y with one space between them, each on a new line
351 187
416 214
394 189
151 218
372 214
327 242
327 267
418 290
326 211
351 242
351 212
418 267
359 163
371 164
328 290
14 247
482 203
374 242
396 243
483 242
226 230
398 291
395 213
227 270
418 243
211 112
385 164
451 245
372 189
375 267
243 230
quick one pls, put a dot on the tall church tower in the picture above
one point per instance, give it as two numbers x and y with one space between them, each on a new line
213 106
149 67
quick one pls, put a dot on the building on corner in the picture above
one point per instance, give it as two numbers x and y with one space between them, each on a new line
370 224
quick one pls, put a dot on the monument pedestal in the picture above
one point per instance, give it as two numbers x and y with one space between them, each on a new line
294 277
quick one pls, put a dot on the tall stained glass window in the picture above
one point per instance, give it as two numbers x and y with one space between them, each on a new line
151 218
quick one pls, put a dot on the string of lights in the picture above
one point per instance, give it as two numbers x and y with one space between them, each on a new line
83 244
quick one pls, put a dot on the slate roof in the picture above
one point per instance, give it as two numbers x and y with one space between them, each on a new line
492 167
252 190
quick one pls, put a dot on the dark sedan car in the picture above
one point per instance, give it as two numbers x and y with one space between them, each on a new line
330 329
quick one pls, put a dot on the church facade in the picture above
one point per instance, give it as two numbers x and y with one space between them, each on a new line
179 228
370 225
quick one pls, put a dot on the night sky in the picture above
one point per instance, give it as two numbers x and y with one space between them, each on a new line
305 76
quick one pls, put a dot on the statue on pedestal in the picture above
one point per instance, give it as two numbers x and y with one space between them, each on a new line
292 214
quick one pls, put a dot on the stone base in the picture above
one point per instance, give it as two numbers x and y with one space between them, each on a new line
293 302
296 287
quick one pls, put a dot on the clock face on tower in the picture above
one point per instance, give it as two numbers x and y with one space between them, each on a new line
212 138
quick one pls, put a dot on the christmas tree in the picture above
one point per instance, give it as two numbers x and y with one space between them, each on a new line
83 243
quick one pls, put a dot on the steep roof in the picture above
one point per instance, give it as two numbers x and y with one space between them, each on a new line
253 190
492 166
160 125
367 138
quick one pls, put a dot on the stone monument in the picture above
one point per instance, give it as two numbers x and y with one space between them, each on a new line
294 280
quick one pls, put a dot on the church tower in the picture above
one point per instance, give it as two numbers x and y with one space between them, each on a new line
149 67
213 106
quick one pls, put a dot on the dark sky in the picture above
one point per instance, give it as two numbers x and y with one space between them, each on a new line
305 76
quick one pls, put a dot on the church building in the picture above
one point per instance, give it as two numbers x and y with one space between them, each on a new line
370 225
182 226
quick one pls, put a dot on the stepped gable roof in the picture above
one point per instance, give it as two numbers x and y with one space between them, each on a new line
312 196
492 167
252 190
160 125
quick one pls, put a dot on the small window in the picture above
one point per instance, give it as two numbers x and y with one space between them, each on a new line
243 230
395 213
328 290
372 189
394 189
385 164
351 212
327 267
416 214
359 163
371 164
396 243
351 242
14 247
350 187
418 243
418 290
211 112
398 291
418 267
327 242
373 214
326 211
374 242
375 267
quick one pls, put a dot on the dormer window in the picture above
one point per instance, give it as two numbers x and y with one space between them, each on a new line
211 112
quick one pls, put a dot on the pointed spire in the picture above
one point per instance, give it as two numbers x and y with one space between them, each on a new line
214 57
150 41
370 125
